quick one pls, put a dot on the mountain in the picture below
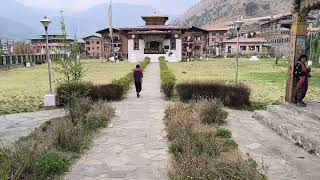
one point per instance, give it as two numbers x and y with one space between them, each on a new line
15 30
209 11
22 22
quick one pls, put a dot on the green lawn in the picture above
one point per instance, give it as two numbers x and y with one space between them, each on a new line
268 82
22 89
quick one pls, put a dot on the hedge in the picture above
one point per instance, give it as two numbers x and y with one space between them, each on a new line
228 93
109 92
168 79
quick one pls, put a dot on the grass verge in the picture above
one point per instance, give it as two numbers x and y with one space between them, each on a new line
50 150
202 150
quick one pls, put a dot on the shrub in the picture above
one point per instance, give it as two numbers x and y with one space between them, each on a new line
212 113
70 138
230 143
168 79
65 90
98 116
228 93
224 133
197 151
106 92
50 164
78 108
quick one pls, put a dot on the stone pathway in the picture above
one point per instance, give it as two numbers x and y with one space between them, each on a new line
15 126
284 159
134 146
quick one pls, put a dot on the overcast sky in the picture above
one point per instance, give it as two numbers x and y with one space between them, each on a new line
166 6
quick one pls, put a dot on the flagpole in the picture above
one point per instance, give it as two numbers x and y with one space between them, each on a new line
111 31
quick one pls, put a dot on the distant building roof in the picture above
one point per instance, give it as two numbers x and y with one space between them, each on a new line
92 36
247 40
107 30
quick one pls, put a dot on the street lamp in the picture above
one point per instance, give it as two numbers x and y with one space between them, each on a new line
238 25
50 99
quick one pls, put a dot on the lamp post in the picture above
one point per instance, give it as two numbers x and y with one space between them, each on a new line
238 25
50 99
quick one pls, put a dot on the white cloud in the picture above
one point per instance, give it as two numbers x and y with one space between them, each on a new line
166 6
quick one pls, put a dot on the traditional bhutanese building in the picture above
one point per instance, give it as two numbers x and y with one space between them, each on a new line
154 39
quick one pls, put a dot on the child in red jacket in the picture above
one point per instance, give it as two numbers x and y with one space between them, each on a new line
138 76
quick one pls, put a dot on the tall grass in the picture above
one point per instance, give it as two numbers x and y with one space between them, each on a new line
201 151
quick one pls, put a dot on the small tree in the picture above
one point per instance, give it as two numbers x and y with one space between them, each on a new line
70 67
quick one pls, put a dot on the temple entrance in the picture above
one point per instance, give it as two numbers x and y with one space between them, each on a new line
154 45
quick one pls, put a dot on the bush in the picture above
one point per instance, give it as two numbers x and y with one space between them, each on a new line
230 143
106 92
65 90
228 93
78 108
198 153
71 138
98 116
168 79
212 113
50 164
224 133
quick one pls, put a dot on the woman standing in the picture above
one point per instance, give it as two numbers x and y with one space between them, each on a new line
301 75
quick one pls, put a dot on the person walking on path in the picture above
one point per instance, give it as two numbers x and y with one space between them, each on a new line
301 75
138 76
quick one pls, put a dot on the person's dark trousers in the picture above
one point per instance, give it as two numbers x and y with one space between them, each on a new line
138 87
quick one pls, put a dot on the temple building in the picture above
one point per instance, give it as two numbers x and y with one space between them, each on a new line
154 39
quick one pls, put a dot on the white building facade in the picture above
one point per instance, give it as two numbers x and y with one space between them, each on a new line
154 40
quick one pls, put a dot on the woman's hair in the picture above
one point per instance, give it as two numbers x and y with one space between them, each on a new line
302 56
137 66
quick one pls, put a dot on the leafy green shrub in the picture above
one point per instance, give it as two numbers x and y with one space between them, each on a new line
98 116
212 113
228 93
168 79
230 143
49 164
224 133
65 90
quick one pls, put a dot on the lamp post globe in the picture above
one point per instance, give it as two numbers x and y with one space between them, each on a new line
45 22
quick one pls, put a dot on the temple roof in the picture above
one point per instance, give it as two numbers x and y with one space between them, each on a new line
154 27
155 19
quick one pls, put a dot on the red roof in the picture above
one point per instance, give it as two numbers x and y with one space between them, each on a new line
247 40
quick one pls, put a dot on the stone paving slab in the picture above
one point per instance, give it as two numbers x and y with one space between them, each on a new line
284 160
15 126
299 125
135 145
